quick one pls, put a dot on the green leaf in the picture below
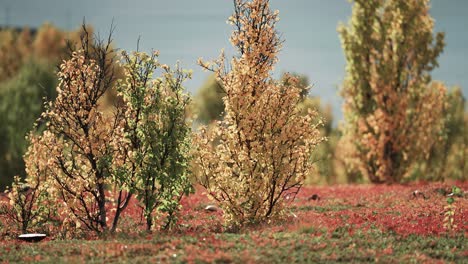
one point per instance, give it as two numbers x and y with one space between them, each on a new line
450 200
456 191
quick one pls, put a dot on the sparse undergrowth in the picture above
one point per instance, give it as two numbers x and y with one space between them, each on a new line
360 223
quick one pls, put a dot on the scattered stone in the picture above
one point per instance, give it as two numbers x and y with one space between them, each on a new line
211 208
32 237
314 197
418 193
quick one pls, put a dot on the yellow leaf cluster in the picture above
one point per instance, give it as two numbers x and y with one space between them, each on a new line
260 153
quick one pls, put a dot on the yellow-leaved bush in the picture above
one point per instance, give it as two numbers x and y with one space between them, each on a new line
77 136
255 159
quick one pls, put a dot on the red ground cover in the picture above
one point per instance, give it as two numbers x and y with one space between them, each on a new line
403 209
393 208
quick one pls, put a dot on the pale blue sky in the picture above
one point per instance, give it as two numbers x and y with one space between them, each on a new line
187 29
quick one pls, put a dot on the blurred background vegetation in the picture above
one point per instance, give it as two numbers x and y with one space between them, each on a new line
28 61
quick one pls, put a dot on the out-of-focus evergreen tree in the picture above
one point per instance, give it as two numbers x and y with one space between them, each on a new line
21 103
27 74
209 101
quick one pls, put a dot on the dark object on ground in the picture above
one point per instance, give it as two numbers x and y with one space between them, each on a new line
32 237
211 208
314 197
418 193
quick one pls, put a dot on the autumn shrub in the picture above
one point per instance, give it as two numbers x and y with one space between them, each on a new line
393 116
31 204
153 136
263 145
76 139
209 108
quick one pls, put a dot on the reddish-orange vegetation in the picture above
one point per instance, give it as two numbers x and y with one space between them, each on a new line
319 221
402 209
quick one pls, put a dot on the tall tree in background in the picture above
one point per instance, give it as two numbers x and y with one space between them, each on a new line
265 143
391 115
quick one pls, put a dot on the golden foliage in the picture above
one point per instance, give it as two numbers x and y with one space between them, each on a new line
257 157
76 138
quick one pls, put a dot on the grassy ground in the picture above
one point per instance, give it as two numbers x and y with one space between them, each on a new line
386 224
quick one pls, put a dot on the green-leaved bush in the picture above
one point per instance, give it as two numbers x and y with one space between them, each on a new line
153 137
28 207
